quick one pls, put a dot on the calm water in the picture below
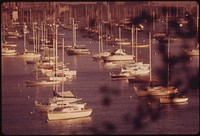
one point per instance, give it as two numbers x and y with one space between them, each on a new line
116 108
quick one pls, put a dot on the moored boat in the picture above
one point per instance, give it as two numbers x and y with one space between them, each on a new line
68 112
43 82
173 100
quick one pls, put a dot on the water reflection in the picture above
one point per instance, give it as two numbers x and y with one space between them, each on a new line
71 126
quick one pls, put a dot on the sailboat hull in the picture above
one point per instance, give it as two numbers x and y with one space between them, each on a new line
38 83
78 52
58 115
173 100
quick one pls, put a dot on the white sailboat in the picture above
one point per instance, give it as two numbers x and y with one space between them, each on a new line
102 52
119 54
29 54
68 111
76 49
38 82
138 69
157 93
123 73
157 90
60 74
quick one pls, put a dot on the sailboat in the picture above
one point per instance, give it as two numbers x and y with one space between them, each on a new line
38 82
118 55
60 74
8 51
68 111
102 52
76 49
195 51
123 74
173 100
6 44
158 90
29 54
139 69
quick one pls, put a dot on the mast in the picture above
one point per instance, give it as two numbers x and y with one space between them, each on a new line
99 39
120 45
136 52
39 39
150 64
33 37
132 39
74 32
36 39
56 42
154 22
197 46
63 67
168 62
167 22
24 37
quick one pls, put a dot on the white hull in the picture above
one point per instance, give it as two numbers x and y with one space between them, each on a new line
29 54
100 55
38 83
9 45
66 73
173 100
77 50
123 43
111 65
155 92
8 54
52 78
58 115
119 58
137 72
194 52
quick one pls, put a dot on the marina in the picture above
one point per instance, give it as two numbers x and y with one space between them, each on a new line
71 83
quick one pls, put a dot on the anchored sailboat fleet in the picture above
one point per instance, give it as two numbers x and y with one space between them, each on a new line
49 71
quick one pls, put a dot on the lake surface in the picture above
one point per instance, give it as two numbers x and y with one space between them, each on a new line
116 107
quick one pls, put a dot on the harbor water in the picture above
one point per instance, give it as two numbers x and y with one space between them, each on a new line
116 107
